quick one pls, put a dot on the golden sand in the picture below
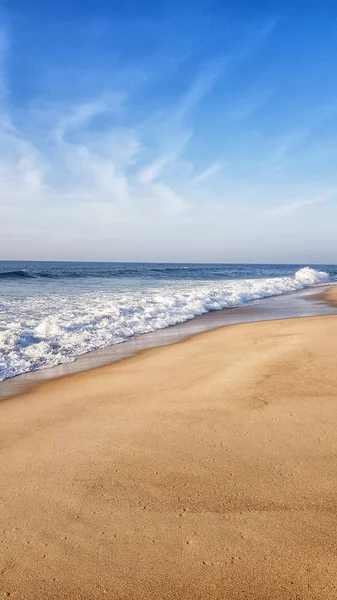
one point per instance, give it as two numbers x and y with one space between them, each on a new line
202 470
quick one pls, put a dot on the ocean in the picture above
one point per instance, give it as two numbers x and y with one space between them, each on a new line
53 312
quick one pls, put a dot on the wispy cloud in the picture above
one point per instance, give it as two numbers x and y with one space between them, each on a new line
213 169
153 170
97 167
200 88
79 115
117 164
146 155
288 208
248 103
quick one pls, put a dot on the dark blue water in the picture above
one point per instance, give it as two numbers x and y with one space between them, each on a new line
21 270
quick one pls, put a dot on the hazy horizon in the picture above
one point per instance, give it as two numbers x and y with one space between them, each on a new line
163 262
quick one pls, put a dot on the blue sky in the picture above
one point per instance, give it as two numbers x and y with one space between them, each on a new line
168 130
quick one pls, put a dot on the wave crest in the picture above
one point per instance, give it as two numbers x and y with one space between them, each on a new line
15 274
308 276
48 330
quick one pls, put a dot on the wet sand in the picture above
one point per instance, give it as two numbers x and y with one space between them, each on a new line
304 303
330 296
202 470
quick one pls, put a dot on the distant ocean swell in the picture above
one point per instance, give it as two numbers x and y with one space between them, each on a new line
22 273
14 274
78 271
115 272
47 330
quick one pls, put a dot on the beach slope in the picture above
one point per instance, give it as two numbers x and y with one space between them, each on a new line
202 470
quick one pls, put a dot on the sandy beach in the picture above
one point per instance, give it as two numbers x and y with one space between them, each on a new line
202 470
168 300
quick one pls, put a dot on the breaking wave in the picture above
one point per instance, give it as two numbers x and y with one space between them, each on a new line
43 331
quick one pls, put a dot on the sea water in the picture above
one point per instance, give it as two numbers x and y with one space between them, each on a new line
53 312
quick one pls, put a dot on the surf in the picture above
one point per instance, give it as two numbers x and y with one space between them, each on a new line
47 329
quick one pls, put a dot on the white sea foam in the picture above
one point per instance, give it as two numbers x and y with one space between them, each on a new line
38 332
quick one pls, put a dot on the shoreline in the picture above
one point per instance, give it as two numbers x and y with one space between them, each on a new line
265 309
329 296
202 470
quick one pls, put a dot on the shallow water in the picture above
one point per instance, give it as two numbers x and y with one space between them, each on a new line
305 303
53 313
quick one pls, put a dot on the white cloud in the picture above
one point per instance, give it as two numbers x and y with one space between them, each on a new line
78 116
213 169
200 88
70 165
91 175
153 170
288 208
